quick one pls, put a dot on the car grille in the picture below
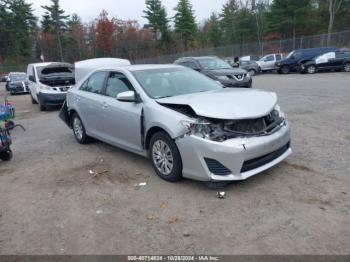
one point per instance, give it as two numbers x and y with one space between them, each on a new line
238 77
255 126
216 167
260 161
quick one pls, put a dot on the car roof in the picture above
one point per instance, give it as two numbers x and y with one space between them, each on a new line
142 67
17 73
195 57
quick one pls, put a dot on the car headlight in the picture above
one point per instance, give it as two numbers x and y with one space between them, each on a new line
280 112
222 78
204 129
44 87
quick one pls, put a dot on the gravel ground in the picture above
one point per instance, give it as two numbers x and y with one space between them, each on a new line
50 204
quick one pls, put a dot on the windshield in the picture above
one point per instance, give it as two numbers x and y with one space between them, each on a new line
18 77
213 64
169 82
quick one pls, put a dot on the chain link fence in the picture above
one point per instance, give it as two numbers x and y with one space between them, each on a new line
339 39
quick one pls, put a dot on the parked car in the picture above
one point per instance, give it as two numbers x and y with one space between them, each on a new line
4 78
17 83
293 60
219 70
49 83
268 62
251 67
327 62
186 123
250 58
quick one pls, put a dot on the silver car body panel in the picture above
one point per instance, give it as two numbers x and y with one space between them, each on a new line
126 125
234 103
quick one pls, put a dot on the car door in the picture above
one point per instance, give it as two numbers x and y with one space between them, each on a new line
32 82
88 100
122 120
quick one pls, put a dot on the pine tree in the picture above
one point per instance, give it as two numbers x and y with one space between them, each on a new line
214 32
55 19
185 24
156 15
227 21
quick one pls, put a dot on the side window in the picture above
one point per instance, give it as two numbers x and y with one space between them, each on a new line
269 58
116 84
278 57
185 64
192 65
95 83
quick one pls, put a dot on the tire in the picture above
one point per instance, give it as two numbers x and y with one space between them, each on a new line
311 69
6 155
165 157
285 70
41 106
252 72
347 67
32 99
79 130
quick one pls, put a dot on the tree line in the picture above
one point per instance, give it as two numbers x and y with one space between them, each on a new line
60 36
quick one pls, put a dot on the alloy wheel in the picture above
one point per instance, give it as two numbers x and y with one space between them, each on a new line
78 128
311 69
162 157
347 67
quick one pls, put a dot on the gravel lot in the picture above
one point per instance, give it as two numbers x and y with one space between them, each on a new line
50 204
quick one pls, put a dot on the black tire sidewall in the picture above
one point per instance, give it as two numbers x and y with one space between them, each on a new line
176 173
285 70
6 155
85 138
346 64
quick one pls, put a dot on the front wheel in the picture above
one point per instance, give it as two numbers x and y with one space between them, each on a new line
285 70
252 72
347 67
6 155
311 69
166 158
79 130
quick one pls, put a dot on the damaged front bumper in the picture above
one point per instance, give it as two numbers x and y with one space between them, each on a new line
233 159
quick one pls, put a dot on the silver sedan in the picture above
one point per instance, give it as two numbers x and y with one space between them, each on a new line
187 124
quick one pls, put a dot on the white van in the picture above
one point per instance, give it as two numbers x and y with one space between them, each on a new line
49 83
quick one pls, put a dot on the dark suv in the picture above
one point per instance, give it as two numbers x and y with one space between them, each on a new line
219 70
330 61
296 57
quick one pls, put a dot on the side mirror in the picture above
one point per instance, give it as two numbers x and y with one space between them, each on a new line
31 78
128 96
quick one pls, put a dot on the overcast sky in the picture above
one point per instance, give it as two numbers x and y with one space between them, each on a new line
126 9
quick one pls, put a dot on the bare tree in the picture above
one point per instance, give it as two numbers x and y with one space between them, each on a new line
333 8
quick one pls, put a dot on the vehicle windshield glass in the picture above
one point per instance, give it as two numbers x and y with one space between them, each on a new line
18 77
213 64
169 82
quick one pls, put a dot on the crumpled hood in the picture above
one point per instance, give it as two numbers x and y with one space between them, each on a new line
228 104
225 72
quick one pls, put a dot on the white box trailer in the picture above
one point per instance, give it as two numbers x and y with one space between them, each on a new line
83 68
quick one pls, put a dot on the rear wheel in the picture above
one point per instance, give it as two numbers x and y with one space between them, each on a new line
311 69
79 130
347 67
166 158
